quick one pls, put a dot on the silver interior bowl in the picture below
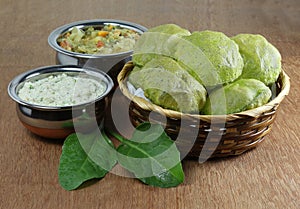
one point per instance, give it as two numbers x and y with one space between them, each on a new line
59 122
102 62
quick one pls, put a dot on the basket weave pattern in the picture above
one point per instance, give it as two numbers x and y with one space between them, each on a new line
208 136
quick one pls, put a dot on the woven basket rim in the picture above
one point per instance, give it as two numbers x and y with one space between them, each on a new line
256 112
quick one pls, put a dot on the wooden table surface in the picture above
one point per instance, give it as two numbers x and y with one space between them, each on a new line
266 177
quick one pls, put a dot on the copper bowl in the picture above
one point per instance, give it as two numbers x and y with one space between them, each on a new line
59 122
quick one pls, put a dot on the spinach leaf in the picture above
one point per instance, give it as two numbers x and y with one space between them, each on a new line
156 162
84 157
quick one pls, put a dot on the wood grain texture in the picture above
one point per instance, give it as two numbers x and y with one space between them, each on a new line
266 177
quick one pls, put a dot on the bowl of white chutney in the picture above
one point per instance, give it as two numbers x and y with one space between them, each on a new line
55 101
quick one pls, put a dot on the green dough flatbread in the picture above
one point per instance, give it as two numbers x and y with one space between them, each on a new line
241 95
222 53
262 60
167 84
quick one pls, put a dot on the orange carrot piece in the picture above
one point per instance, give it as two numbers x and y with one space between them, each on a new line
103 33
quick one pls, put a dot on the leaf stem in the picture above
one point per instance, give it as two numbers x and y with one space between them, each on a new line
117 136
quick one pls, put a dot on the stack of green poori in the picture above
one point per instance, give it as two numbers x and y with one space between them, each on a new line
204 72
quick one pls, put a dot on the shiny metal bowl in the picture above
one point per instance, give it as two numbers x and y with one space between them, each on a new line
59 122
99 61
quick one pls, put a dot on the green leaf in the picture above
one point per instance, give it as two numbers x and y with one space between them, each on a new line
85 157
155 162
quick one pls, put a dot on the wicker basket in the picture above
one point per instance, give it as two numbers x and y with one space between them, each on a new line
208 136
